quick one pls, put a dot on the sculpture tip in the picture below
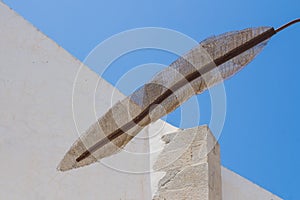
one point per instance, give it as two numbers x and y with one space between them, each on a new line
71 159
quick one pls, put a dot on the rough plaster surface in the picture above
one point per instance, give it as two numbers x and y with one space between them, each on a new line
37 126
191 162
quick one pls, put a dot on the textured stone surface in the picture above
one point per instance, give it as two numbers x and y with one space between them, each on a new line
191 161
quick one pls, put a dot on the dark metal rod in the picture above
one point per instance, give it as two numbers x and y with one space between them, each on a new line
287 25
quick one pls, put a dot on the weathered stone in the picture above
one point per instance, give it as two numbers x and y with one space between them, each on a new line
191 161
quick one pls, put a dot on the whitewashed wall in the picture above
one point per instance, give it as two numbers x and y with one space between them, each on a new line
235 187
37 127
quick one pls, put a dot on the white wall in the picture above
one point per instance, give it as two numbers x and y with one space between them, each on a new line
37 127
235 187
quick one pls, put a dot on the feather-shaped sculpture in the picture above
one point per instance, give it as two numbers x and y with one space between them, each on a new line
213 60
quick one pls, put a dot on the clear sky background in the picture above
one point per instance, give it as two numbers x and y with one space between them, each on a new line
260 139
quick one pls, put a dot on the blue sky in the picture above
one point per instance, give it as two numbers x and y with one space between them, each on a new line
261 136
